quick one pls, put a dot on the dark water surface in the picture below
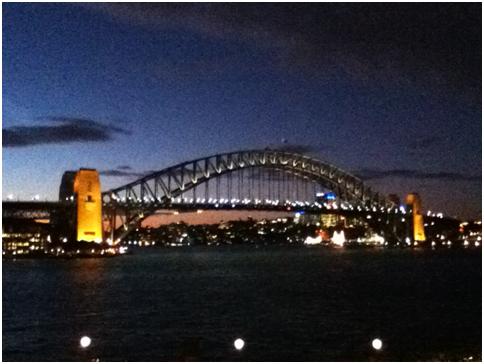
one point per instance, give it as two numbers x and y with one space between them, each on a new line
304 304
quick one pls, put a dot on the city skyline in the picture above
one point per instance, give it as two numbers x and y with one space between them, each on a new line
389 92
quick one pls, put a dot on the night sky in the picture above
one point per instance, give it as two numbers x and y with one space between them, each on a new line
389 92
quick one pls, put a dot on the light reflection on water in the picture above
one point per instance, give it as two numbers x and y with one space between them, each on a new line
286 303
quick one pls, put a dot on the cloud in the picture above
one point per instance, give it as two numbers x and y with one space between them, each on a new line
424 143
285 146
371 174
380 43
120 173
62 131
124 171
124 167
297 148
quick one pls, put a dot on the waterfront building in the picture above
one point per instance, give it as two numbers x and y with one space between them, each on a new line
21 237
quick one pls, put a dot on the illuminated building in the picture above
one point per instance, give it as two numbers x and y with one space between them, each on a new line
328 220
22 243
22 237
413 201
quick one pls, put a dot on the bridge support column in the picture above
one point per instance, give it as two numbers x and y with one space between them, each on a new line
87 189
112 223
417 226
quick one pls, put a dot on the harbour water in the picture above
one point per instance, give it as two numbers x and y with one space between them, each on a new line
286 303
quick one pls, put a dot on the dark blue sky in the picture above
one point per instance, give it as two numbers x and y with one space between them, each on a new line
391 92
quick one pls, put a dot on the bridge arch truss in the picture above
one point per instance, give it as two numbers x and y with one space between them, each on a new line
267 176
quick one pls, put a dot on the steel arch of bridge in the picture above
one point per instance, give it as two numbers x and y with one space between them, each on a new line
157 190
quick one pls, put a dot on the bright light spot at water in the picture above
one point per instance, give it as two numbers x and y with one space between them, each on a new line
378 239
377 344
313 241
239 344
85 341
338 238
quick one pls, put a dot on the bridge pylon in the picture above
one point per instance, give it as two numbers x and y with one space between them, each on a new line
83 189
415 203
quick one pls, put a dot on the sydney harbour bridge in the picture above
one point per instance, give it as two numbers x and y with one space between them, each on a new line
242 180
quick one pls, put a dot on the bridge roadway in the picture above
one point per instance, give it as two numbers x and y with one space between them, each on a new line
32 209
45 209
392 218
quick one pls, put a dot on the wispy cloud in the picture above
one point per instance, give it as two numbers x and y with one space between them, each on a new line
285 146
307 38
120 173
61 131
424 143
296 148
372 174
124 171
124 167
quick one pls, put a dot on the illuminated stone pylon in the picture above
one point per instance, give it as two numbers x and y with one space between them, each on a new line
413 200
87 189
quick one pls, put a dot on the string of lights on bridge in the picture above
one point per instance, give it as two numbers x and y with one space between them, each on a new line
237 203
